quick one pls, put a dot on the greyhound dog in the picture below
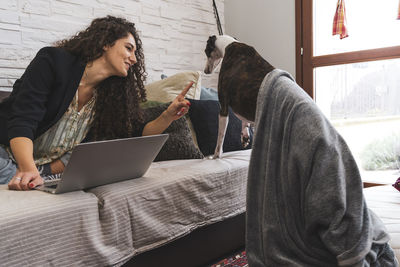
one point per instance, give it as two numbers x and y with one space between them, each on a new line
240 77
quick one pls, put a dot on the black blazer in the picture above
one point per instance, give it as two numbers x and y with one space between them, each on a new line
41 96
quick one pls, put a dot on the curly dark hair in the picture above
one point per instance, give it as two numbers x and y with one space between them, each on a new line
117 110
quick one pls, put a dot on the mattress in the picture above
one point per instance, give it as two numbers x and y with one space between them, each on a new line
385 202
110 224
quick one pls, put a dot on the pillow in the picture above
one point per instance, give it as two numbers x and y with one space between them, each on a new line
208 94
180 143
204 117
167 89
150 104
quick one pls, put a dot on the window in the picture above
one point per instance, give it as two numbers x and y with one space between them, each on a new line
355 81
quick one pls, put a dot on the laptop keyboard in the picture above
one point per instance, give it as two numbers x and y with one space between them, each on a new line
52 179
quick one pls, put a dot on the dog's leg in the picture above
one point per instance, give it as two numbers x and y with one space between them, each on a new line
222 126
223 119
245 135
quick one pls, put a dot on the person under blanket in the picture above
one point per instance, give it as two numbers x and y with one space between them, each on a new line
305 203
93 81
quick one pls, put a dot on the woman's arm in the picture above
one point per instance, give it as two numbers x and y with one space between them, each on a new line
178 108
31 95
158 125
27 175
57 166
27 110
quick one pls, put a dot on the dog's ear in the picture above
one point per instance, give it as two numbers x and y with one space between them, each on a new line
210 45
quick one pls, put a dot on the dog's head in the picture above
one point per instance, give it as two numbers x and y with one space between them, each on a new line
214 56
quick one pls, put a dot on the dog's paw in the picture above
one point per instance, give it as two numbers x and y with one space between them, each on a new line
218 151
216 156
245 137
245 141
212 157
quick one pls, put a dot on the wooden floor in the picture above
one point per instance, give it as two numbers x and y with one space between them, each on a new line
231 254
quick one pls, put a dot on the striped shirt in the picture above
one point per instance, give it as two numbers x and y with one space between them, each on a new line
63 136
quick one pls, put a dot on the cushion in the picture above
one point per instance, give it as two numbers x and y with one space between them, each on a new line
208 94
150 103
180 143
167 89
204 117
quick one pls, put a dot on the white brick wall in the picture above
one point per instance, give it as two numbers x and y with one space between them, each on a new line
173 32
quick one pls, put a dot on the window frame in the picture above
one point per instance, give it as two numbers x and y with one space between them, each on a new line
306 62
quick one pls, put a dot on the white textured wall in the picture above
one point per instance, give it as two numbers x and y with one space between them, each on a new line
268 25
173 32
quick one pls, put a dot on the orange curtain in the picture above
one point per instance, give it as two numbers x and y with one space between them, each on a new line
339 21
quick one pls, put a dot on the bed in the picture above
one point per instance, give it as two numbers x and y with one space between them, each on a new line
119 223
384 200
185 211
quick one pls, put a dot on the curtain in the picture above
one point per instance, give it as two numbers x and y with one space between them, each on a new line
339 21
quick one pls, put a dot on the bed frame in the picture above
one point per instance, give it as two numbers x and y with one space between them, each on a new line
202 247
3 95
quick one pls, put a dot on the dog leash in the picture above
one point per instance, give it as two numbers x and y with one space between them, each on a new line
217 19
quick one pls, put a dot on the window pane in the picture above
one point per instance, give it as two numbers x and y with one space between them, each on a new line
362 101
371 24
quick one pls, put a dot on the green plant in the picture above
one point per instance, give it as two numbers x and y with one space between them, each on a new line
382 154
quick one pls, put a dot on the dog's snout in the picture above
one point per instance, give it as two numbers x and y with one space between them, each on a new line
208 68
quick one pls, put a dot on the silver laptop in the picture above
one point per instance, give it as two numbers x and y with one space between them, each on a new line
104 162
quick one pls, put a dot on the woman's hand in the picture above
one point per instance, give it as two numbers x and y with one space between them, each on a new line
25 180
176 110
180 105
27 176
57 166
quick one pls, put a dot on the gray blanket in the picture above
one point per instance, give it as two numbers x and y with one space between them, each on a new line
305 205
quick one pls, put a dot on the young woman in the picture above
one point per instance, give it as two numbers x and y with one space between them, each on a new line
90 84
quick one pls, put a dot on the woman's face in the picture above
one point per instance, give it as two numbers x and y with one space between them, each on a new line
121 56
